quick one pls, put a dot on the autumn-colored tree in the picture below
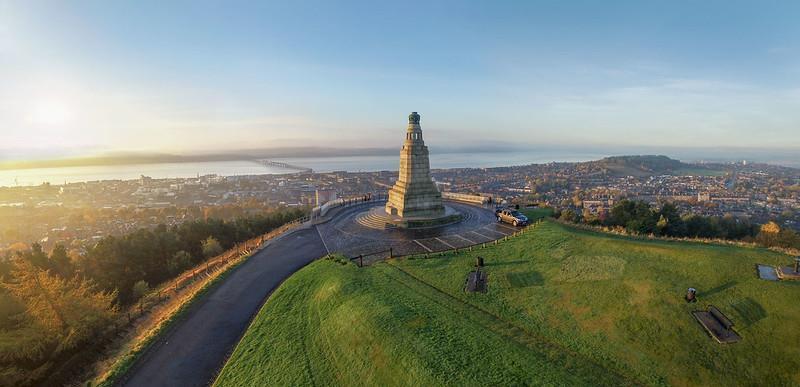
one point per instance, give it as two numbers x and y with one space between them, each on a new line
35 256
771 228
68 310
768 234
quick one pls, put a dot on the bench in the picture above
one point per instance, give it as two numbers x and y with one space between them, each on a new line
476 282
717 325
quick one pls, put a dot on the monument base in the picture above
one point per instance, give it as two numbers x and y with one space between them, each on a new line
378 218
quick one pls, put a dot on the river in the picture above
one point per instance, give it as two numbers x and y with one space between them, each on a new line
61 175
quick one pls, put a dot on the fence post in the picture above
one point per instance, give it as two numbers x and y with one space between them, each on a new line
391 253
360 260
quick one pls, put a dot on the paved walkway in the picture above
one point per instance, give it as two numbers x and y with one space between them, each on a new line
343 234
194 350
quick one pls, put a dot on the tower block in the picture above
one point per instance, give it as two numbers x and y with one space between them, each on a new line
415 195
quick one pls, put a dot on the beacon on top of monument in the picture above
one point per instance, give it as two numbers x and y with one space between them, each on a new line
414 131
413 118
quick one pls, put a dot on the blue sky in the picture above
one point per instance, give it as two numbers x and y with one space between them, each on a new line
186 76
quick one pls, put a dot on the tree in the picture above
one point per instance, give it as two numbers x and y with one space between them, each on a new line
731 227
569 215
5 267
140 289
669 221
60 263
110 264
35 256
590 218
699 227
626 211
662 225
69 310
211 247
770 234
179 262
771 228
789 238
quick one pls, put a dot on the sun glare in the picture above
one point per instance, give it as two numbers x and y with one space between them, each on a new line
51 111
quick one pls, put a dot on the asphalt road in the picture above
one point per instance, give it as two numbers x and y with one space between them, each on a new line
197 346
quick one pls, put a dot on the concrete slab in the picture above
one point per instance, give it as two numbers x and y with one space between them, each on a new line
766 272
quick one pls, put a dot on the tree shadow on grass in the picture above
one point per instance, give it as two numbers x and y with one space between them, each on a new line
749 310
719 288
525 279
517 262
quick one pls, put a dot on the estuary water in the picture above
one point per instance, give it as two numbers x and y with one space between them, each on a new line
36 176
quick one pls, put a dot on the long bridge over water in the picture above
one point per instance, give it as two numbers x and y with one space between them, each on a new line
281 164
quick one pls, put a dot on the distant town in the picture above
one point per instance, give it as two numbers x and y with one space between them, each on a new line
78 214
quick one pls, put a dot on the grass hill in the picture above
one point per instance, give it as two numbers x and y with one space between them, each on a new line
563 307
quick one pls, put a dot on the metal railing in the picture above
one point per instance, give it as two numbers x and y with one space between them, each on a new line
441 253
467 198
360 257
207 268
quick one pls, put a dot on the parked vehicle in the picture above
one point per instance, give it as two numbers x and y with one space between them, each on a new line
510 216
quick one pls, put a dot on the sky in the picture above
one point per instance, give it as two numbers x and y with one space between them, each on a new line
188 76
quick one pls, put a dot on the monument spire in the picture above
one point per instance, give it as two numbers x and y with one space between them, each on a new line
414 195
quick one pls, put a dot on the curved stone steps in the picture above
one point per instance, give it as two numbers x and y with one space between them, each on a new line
373 220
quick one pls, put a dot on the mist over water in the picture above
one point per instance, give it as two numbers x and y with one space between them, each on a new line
36 176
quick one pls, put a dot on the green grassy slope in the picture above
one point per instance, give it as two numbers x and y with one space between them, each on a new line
564 306
337 324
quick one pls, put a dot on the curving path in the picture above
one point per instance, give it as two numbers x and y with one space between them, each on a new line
193 351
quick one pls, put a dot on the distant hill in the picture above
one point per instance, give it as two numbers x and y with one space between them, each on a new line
648 165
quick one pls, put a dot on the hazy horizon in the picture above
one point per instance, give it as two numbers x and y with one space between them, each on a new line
164 77
11 159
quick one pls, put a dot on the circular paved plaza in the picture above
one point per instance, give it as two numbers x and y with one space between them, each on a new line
345 234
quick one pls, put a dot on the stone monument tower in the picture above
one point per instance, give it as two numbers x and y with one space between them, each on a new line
414 195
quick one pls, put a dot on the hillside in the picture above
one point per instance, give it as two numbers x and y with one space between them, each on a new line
563 307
